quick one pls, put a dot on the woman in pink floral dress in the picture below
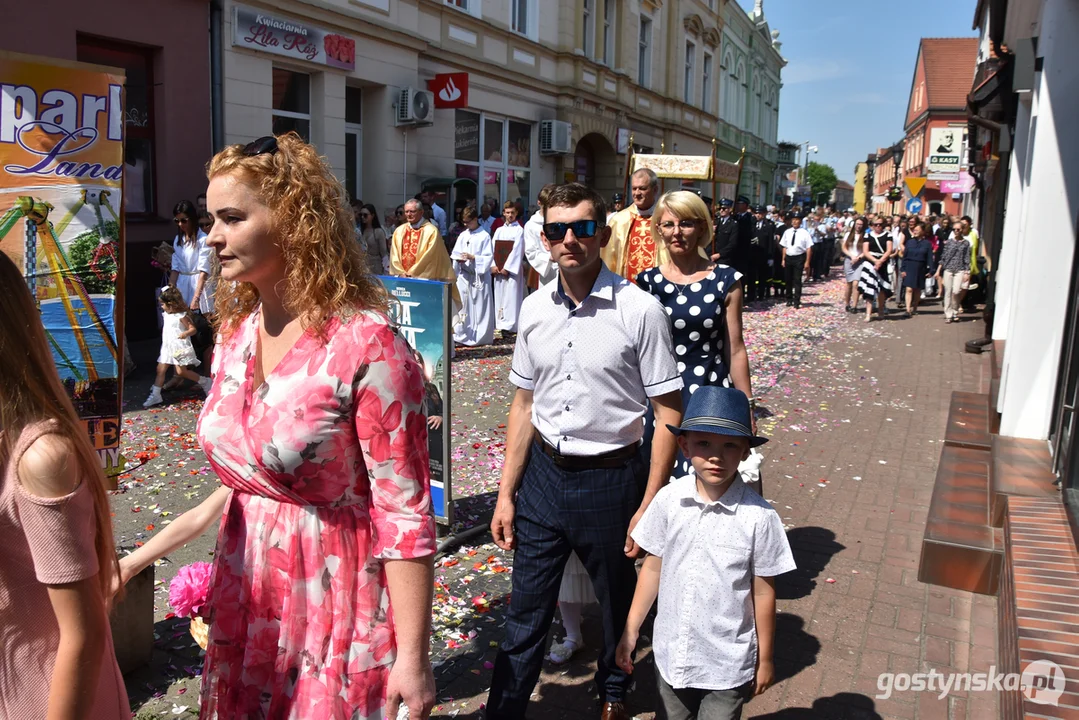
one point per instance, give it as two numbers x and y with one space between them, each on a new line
320 601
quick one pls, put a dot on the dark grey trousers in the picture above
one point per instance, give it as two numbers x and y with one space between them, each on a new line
694 704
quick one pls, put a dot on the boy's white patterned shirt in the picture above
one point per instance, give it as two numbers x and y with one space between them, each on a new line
705 633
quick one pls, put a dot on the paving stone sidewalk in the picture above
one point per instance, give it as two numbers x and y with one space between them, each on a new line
851 476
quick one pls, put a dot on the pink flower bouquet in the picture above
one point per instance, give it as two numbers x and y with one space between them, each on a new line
187 596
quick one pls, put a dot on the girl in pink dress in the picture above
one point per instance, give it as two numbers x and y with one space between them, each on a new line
59 562
320 601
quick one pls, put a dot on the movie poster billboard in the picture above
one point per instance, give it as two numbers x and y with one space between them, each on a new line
420 309
61 222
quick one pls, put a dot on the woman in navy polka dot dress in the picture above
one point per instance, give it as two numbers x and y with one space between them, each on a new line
703 300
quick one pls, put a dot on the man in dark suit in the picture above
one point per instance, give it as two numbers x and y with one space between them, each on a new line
747 228
760 250
725 245
777 281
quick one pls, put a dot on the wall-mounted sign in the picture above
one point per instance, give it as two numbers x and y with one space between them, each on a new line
450 89
945 150
964 184
61 178
259 30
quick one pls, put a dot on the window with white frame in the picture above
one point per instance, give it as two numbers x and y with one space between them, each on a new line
608 33
775 118
496 155
521 17
291 102
644 52
726 100
589 29
706 83
354 141
691 59
741 88
755 107
472 7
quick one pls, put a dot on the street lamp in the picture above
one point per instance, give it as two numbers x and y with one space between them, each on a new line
805 163
897 154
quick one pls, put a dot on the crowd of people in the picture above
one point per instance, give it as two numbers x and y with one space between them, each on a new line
631 418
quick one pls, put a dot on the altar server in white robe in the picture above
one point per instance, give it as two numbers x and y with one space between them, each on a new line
509 280
473 256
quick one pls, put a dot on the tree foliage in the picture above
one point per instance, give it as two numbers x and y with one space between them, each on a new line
821 178
81 256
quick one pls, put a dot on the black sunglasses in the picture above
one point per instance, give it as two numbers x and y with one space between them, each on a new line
556 231
266 144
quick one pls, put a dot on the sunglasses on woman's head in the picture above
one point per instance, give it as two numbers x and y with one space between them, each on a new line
265 144
556 231
181 221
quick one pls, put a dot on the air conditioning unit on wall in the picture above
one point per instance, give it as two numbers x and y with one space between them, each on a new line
554 137
415 107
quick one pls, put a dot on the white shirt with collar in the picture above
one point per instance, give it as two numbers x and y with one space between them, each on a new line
705 635
796 241
486 224
439 216
535 254
592 368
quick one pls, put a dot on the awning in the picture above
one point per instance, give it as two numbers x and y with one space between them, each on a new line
439 183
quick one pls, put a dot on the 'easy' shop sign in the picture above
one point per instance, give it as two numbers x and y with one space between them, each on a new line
259 30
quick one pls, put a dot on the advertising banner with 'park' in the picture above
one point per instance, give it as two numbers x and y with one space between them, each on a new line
61 171
420 310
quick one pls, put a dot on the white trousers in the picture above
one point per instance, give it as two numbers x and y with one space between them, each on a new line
952 293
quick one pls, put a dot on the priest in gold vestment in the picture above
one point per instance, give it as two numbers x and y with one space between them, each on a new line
417 251
632 247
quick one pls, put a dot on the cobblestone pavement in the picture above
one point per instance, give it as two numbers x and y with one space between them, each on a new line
856 414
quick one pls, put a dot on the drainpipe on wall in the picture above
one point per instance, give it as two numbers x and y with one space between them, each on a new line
217 108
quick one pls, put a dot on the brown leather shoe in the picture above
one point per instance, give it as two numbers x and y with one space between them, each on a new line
614 711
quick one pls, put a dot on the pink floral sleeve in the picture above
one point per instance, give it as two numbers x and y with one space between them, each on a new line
392 430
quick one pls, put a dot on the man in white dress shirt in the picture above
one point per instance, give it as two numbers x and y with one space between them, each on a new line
487 220
797 247
438 215
592 352
509 279
537 256
473 255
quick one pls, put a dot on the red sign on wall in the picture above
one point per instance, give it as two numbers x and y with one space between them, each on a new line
450 89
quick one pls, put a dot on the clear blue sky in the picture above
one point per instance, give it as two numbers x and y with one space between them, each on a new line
849 68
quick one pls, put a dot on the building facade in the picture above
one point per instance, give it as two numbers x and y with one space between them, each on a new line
936 119
750 68
166 123
842 196
603 70
886 175
1020 452
861 173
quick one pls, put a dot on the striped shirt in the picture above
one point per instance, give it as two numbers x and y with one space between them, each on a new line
593 367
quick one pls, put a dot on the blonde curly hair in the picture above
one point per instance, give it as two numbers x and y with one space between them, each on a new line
325 269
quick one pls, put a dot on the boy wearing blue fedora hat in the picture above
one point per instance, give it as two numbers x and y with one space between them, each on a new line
713 544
